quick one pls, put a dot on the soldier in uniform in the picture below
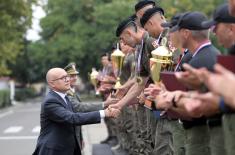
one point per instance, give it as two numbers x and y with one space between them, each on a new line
127 118
204 55
107 80
141 7
224 24
151 21
133 35
78 104
178 132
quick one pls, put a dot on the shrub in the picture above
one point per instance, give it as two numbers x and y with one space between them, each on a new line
22 94
5 98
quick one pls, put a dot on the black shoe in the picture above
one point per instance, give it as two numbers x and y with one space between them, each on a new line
113 141
106 140
119 151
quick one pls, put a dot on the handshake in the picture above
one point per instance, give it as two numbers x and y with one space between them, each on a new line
112 112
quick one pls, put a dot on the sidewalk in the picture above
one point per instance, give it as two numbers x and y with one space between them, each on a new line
93 134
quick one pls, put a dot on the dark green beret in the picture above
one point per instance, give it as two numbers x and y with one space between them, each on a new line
142 4
149 13
124 24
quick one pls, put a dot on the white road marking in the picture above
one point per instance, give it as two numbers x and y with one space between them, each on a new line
18 137
6 113
13 129
36 129
28 110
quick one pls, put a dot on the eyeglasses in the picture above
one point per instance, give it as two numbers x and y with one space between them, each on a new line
65 78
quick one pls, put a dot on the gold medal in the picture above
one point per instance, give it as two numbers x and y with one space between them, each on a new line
139 80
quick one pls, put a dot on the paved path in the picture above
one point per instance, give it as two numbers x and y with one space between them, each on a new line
20 126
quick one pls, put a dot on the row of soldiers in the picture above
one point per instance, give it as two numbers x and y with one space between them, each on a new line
156 120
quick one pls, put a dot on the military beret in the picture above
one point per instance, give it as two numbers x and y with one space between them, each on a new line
124 24
143 3
149 13
133 17
71 69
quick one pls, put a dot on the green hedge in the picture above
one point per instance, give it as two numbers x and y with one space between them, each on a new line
4 98
22 94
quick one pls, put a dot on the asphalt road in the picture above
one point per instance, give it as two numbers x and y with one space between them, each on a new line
20 127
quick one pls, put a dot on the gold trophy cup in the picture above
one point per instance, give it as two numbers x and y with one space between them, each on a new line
93 78
117 58
161 61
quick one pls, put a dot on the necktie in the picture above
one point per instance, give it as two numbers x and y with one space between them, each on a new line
68 103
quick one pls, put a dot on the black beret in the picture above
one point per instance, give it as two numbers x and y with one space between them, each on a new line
142 4
133 17
124 24
149 13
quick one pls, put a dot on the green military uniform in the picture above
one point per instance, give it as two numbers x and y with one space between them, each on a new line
128 68
125 120
111 123
135 120
77 104
229 133
148 121
178 137
160 129
217 146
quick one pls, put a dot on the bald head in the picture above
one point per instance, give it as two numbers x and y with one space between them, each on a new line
58 80
54 73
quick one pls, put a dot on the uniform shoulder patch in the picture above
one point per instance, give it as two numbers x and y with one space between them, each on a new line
155 43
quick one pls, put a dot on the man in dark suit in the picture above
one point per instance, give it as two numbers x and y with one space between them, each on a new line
80 106
58 119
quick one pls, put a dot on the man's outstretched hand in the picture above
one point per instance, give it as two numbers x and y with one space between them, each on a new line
112 112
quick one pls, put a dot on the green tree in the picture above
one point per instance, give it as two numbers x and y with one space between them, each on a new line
15 19
81 30
78 31
173 7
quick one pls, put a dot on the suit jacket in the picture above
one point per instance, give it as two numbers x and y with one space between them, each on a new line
58 120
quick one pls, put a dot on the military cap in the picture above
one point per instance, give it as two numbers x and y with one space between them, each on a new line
124 24
149 13
191 21
143 3
173 22
220 15
71 69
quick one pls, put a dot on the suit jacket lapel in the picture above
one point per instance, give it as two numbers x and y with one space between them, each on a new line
59 97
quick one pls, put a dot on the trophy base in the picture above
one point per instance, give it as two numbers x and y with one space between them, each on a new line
118 84
117 87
